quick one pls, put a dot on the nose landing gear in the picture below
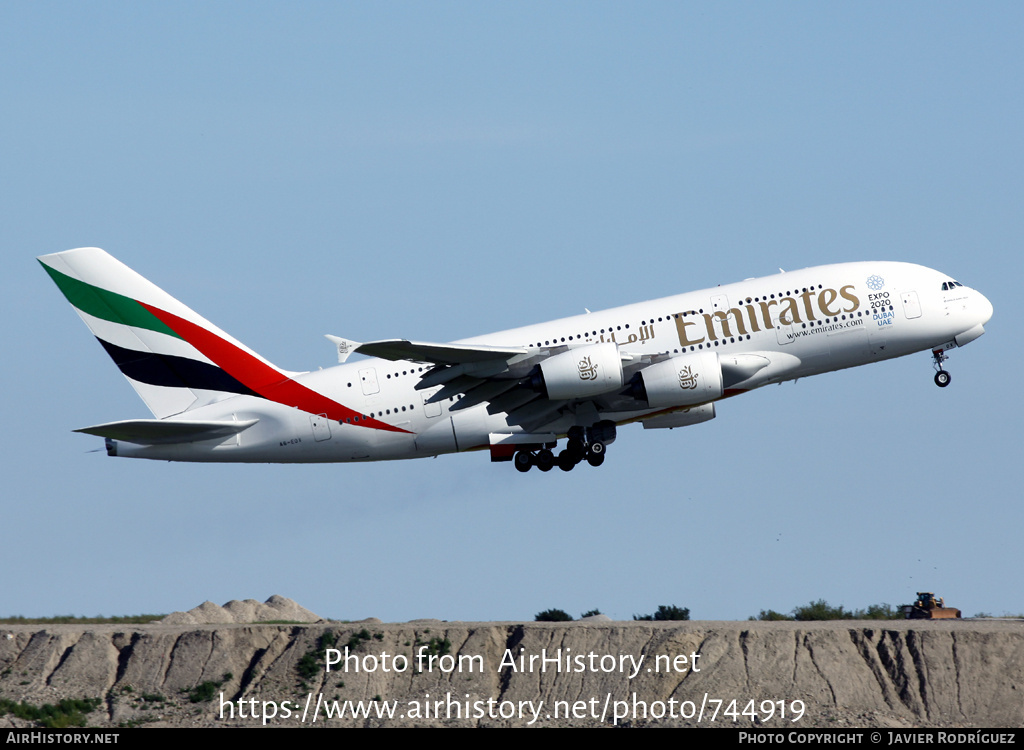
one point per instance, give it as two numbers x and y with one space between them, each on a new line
942 378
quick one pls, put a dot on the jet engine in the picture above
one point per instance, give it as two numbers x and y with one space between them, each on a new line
679 381
579 373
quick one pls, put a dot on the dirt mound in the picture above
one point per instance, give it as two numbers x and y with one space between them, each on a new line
275 609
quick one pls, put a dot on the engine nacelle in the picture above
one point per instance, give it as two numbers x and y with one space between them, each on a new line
580 373
684 418
680 381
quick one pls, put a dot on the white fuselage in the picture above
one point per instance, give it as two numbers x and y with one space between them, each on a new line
804 322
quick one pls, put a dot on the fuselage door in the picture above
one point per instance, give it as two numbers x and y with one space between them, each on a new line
368 379
719 307
434 409
783 330
321 427
720 303
911 305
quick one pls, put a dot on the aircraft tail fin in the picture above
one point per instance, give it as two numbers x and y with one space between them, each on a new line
173 358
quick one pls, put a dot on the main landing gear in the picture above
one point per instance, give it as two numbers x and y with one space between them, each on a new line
942 377
566 459
576 450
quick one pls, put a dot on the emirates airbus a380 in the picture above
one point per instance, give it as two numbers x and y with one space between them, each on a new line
664 363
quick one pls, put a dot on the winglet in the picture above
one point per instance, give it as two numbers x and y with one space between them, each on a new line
345 347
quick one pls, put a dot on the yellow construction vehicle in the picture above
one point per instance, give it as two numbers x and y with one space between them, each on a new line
927 607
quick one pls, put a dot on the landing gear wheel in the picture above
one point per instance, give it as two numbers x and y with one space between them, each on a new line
595 454
566 460
544 459
523 461
576 449
942 377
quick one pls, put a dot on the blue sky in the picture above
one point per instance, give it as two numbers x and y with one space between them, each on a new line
441 170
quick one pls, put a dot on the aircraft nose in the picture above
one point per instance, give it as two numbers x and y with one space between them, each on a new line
984 308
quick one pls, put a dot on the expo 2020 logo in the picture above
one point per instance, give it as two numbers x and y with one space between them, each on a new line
875 282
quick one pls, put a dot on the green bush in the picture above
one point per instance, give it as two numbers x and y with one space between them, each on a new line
553 615
880 612
206 691
66 713
79 620
357 639
822 610
666 612
771 615
309 665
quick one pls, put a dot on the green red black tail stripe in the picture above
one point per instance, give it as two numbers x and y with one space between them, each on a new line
173 372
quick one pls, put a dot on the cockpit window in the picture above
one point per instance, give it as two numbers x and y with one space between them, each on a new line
947 285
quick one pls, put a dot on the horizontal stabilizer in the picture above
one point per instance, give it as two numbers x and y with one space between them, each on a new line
162 431
441 354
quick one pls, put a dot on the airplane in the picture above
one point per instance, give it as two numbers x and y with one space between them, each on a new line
665 363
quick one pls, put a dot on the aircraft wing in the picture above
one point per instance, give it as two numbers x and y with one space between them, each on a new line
438 354
162 431
499 376
534 386
510 379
